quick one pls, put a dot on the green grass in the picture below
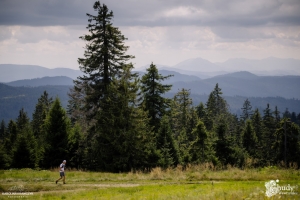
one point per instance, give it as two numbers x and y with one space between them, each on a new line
195 182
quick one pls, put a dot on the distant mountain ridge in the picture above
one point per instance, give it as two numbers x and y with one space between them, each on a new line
233 84
57 80
246 84
205 69
9 72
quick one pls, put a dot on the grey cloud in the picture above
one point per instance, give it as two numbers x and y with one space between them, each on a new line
240 34
26 34
152 13
4 33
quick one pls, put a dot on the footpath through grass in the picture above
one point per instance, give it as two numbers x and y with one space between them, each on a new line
196 182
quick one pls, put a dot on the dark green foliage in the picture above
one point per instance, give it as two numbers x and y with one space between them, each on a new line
104 57
183 120
247 110
200 110
120 123
57 128
287 145
75 147
166 144
123 140
216 104
152 91
25 149
119 137
269 137
20 143
202 147
38 119
250 139
5 159
216 108
277 115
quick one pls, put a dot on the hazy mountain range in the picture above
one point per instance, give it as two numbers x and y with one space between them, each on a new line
9 73
205 69
196 67
24 84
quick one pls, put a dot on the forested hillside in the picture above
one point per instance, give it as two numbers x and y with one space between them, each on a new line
13 99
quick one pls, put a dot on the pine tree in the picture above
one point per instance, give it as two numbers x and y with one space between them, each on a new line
23 142
247 110
200 110
5 160
199 145
166 144
269 137
104 57
38 119
75 147
287 145
2 131
216 108
76 106
12 133
123 139
183 119
294 117
250 139
57 128
152 90
216 104
39 115
25 149
184 107
277 115
22 119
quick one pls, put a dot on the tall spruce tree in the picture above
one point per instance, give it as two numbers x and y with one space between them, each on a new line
104 57
39 115
269 137
38 119
247 110
152 91
287 145
166 144
110 94
57 128
183 120
124 140
23 142
216 104
25 149
199 147
5 159
216 108
250 139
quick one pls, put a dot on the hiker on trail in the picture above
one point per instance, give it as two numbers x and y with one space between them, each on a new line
62 172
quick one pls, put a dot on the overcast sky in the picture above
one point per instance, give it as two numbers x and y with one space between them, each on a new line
46 32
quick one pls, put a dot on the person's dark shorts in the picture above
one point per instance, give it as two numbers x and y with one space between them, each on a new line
62 174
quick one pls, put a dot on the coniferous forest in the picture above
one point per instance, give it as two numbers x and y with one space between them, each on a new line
116 121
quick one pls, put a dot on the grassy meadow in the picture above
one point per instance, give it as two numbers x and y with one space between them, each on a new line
194 182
